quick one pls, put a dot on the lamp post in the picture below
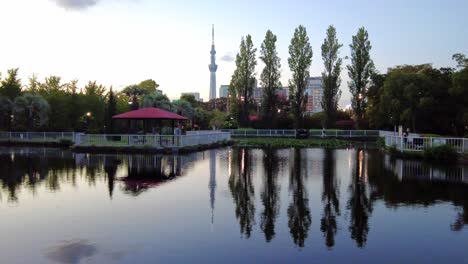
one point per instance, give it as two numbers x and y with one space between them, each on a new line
88 119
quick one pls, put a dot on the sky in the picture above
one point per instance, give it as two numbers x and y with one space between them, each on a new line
121 42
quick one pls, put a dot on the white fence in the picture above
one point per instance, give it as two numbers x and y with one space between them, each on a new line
292 133
417 143
37 136
150 141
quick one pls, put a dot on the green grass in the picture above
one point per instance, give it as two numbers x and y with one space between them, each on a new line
290 142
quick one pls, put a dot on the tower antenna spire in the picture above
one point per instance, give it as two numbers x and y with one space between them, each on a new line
212 33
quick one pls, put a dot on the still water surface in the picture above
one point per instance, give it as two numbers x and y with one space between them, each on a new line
230 206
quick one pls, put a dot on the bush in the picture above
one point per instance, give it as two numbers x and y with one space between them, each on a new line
443 152
380 142
314 120
65 141
392 150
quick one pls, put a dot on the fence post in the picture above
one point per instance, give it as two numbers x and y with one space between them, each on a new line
401 144
43 136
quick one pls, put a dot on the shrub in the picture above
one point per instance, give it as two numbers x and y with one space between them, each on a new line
380 142
66 141
392 150
443 152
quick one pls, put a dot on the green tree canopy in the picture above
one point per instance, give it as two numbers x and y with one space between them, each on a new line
157 100
300 59
270 76
359 72
10 87
243 80
331 76
33 109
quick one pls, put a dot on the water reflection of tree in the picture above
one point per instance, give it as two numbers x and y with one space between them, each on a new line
359 203
27 171
330 198
298 212
242 190
270 194
415 187
110 168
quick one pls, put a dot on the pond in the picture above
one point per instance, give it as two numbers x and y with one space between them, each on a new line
230 205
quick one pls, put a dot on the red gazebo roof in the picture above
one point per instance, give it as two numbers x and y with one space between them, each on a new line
150 113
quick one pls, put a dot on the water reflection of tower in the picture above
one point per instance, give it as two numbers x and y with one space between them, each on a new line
212 183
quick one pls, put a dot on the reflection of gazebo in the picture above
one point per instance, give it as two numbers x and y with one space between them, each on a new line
151 117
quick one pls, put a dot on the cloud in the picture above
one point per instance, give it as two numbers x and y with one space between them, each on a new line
228 57
72 251
76 4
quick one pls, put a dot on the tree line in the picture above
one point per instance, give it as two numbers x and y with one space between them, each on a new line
416 96
54 105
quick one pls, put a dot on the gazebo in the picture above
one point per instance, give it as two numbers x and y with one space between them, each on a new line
151 115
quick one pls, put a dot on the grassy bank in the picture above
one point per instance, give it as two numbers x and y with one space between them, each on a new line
290 142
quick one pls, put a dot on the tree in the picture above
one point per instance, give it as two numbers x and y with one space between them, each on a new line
359 72
6 111
243 80
300 59
149 85
183 108
270 76
191 99
10 87
218 118
157 100
375 114
133 92
34 84
34 109
110 111
459 91
462 61
331 76
415 96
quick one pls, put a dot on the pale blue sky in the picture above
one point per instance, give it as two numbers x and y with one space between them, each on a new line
119 42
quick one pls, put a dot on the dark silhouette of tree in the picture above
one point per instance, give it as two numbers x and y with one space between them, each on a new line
359 204
270 194
242 190
110 168
298 212
330 198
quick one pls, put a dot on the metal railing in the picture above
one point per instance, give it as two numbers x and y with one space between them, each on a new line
418 143
150 141
292 133
40 137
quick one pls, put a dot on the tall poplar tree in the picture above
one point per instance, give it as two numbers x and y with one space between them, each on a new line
359 72
243 79
270 76
331 76
300 59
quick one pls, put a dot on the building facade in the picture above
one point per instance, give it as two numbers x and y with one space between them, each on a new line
223 91
314 95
